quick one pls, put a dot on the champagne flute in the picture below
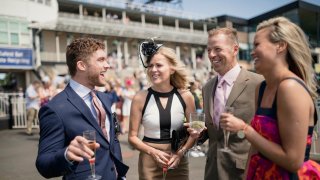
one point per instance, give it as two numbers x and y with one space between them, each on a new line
226 133
90 135
197 123
166 168
164 172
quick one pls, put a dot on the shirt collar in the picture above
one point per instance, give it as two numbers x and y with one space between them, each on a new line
80 89
231 76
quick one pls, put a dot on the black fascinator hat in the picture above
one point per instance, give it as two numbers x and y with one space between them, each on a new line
146 50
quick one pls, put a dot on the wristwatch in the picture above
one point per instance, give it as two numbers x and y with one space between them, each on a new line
241 133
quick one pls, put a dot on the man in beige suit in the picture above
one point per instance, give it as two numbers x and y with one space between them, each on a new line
238 91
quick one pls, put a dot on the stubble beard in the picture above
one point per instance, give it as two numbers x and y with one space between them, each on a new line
95 80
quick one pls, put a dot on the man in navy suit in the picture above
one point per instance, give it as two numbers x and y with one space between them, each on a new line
62 150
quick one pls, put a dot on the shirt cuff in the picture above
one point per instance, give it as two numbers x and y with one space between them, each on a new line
65 156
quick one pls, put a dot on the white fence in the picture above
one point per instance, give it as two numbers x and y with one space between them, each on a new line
17 111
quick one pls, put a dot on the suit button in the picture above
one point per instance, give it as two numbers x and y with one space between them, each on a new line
112 169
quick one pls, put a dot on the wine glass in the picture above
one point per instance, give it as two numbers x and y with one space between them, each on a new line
226 133
197 123
166 168
90 135
164 172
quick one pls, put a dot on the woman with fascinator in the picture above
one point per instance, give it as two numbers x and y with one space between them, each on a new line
161 109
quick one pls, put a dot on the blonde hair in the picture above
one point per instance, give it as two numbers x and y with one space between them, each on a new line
299 56
228 31
179 78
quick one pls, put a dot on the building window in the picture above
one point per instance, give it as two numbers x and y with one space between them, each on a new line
244 54
4 32
3 25
14 38
24 28
14 32
4 38
14 27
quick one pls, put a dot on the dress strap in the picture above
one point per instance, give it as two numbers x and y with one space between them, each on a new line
180 99
261 90
147 100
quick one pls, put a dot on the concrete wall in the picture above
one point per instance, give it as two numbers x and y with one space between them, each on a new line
32 10
49 41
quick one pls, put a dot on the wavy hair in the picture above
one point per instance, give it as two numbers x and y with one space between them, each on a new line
299 56
179 78
79 50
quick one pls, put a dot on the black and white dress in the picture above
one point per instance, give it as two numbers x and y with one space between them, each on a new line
158 123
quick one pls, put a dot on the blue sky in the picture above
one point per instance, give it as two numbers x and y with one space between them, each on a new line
238 8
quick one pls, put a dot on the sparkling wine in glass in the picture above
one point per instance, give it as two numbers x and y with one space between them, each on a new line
90 135
226 133
197 123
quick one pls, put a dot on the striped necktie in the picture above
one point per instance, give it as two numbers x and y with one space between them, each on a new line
101 113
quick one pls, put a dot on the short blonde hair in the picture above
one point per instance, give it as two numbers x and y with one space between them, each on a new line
230 32
179 78
299 56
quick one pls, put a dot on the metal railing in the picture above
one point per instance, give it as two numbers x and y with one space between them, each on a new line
142 7
73 23
13 108
4 106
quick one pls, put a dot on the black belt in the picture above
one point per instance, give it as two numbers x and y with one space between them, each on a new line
157 141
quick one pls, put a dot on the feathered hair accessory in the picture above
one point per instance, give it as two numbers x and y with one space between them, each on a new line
146 50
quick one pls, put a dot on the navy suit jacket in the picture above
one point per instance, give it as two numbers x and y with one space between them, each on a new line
61 120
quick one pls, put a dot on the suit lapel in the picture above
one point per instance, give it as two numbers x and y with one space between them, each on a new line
238 87
82 107
212 92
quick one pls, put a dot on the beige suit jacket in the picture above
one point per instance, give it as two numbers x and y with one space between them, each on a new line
231 165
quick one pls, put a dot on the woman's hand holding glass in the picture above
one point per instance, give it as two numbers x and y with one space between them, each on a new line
231 123
160 157
226 133
175 159
196 125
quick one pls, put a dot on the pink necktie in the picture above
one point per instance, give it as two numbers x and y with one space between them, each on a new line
219 101
101 113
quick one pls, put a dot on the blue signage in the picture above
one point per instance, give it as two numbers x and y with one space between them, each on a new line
16 58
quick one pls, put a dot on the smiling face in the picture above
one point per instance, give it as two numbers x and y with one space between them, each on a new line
159 69
222 53
96 67
264 52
